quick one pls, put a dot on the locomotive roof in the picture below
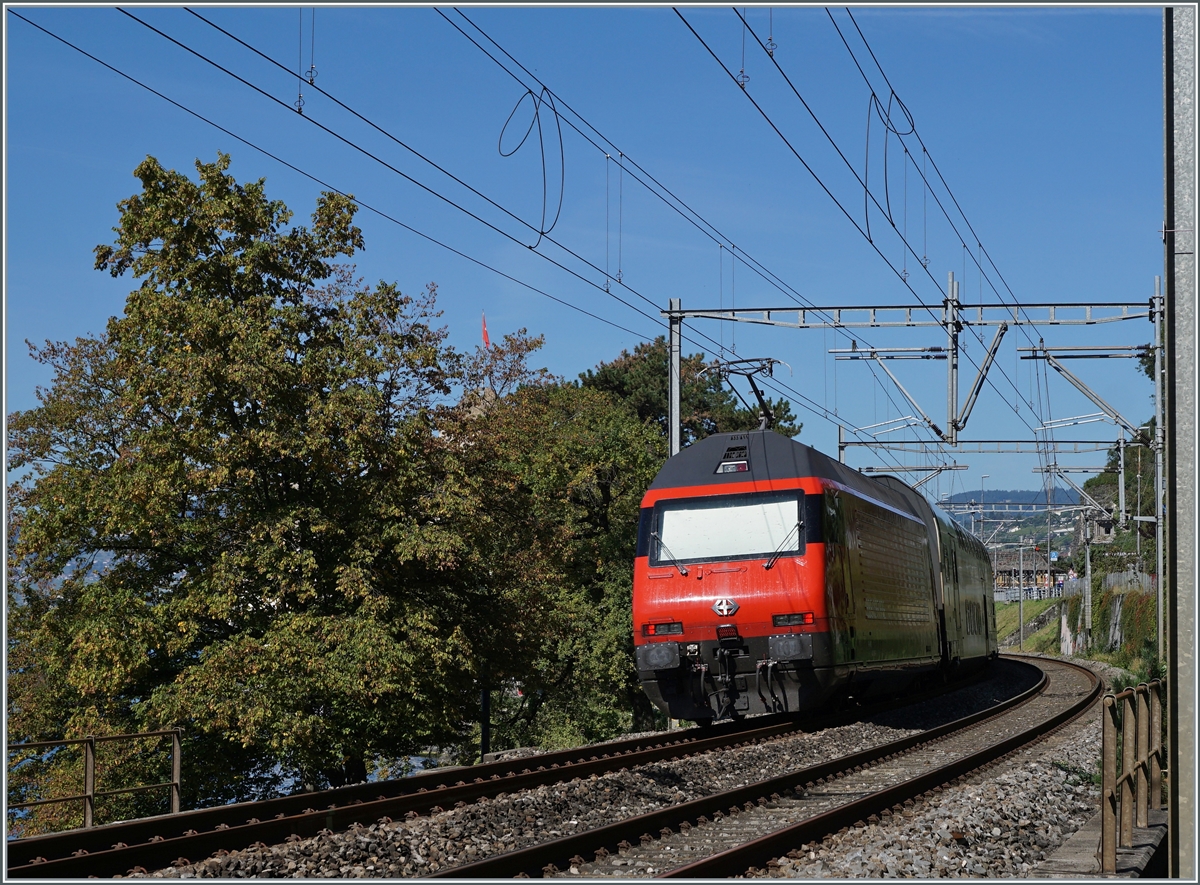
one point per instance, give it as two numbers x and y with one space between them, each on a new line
768 456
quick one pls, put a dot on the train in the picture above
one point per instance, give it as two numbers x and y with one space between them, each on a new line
771 578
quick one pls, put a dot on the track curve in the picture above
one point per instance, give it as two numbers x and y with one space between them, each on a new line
151 843
718 836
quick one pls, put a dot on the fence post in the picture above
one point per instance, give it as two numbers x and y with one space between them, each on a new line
1128 740
89 781
1141 818
176 754
1156 747
1108 778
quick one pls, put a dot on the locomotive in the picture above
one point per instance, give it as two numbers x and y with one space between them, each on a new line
772 578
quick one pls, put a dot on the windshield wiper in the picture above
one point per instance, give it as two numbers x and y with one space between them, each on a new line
779 550
675 562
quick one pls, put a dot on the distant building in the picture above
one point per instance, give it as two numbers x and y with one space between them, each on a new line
1103 530
1040 578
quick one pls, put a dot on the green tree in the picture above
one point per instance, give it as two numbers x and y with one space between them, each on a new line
564 467
1121 554
235 513
707 405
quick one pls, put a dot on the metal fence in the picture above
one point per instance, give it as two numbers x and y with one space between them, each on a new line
1129 582
1127 796
90 794
1013 594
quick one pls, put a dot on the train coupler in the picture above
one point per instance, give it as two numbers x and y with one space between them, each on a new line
775 705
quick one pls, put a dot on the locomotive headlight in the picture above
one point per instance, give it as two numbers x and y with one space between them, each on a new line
674 628
796 619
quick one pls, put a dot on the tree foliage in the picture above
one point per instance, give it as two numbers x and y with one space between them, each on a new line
1138 537
236 514
707 405
258 508
570 464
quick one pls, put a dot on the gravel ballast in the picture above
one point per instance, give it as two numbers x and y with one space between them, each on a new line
1000 824
1003 822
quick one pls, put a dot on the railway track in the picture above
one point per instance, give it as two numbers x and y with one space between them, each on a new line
154 843
723 835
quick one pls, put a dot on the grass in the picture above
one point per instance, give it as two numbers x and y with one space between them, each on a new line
1007 615
1044 641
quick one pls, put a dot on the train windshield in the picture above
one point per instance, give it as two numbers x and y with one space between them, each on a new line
726 527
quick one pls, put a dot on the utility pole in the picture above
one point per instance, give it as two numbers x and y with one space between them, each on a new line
1021 597
1179 411
673 416
1158 465
952 329
1087 580
982 504
1049 532
1121 478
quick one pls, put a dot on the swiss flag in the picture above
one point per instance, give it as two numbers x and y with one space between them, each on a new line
487 343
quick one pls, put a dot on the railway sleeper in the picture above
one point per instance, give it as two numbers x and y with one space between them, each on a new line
715 741
533 858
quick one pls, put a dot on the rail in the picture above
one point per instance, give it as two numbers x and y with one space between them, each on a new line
90 794
1125 798
533 860
152 843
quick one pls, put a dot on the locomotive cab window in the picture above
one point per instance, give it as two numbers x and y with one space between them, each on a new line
760 525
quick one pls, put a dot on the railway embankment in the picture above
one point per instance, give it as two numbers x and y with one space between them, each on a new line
1032 626
1004 821
1036 815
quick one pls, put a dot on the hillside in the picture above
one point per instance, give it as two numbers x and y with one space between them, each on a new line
1035 497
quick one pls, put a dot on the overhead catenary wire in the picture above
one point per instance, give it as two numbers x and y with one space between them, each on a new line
350 143
663 193
659 190
829 193
926 154
817 178
332 188
868 195
867 192
818 410
350 110
796 395
647 180
800 399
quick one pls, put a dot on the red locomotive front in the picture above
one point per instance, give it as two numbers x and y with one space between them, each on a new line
768 577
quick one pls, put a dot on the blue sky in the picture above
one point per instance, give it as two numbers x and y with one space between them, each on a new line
1045 122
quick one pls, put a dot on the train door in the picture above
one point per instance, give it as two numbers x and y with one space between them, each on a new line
839 592
993 644
953 611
